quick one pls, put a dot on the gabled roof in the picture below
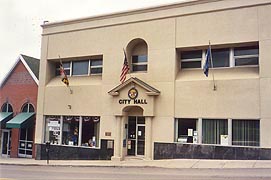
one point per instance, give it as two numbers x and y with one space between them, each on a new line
31 64
150 90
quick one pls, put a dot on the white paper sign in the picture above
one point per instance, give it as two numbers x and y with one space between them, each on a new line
224 140
190 132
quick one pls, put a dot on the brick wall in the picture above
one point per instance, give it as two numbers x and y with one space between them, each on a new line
18 89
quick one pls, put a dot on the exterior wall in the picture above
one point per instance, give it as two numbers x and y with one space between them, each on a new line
242 93
19 89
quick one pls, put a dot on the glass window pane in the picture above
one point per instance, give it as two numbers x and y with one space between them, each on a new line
52 131
246 51
10 109
4 107
185 125
70 130
25 108
246 132
191 54
80 68
191 64
220 57
97 62
139 67
246 61
87 131
139 59
96 71
212 130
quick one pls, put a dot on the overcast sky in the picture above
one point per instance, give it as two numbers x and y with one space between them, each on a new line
20 20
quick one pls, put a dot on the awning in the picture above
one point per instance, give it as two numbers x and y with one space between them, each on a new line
22 120
4 117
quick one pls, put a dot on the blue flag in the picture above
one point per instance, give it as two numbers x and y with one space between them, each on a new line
207 62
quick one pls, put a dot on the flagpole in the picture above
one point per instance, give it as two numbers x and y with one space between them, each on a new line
62 66
212 66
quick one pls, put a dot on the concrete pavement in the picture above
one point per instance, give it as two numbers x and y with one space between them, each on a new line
133 162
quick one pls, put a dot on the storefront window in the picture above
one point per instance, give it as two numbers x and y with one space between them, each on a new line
90 131
70 130
186 129
212 129
52 132
246 132
73 130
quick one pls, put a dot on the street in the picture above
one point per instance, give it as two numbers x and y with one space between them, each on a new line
13 172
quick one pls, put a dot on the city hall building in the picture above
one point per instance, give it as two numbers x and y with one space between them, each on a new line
166 107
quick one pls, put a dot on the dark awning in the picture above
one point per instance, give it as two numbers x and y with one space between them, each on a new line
4 117
22 120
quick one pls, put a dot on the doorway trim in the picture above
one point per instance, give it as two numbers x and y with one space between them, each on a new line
8 144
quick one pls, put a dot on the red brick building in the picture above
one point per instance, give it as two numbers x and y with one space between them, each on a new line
18 102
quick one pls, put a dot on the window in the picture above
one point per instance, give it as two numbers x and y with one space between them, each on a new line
246 132
246 56
96 66
90 131
223 57
6 108
72 130
191 59
28 108
212 130
185 130
220 57
80 67
66 66
139 63
52 131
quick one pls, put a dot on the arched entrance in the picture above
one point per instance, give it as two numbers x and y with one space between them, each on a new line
135 131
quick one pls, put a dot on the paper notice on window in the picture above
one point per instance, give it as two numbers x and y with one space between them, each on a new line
224 140
139 133
190 132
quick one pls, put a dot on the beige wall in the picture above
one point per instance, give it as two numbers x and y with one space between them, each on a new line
241 92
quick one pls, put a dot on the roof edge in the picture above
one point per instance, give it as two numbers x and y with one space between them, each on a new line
128 12
19 58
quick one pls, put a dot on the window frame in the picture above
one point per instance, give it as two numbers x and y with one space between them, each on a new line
192 59
232 57
90 67
7 107
95 119
145 63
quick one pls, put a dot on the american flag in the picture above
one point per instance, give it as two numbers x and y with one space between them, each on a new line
125 69
63 74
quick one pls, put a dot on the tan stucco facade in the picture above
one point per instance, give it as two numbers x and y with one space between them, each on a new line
242 92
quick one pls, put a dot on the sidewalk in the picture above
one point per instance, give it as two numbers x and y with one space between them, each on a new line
173 163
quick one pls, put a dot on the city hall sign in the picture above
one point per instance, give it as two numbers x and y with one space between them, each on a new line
133 94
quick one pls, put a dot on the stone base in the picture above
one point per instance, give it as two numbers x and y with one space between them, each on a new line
116 159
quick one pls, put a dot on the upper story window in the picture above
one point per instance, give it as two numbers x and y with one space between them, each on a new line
6 108
82 67
96 66
246 56
66 66
138 53
28 108
223 57
139 63
191 59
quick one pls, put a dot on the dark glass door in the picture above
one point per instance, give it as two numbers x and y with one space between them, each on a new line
6 142
136 136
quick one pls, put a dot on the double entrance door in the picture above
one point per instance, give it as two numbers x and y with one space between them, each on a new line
136 136
6 142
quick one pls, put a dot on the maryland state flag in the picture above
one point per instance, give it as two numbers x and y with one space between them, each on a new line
63 74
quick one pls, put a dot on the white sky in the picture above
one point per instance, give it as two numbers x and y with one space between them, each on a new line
20 20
